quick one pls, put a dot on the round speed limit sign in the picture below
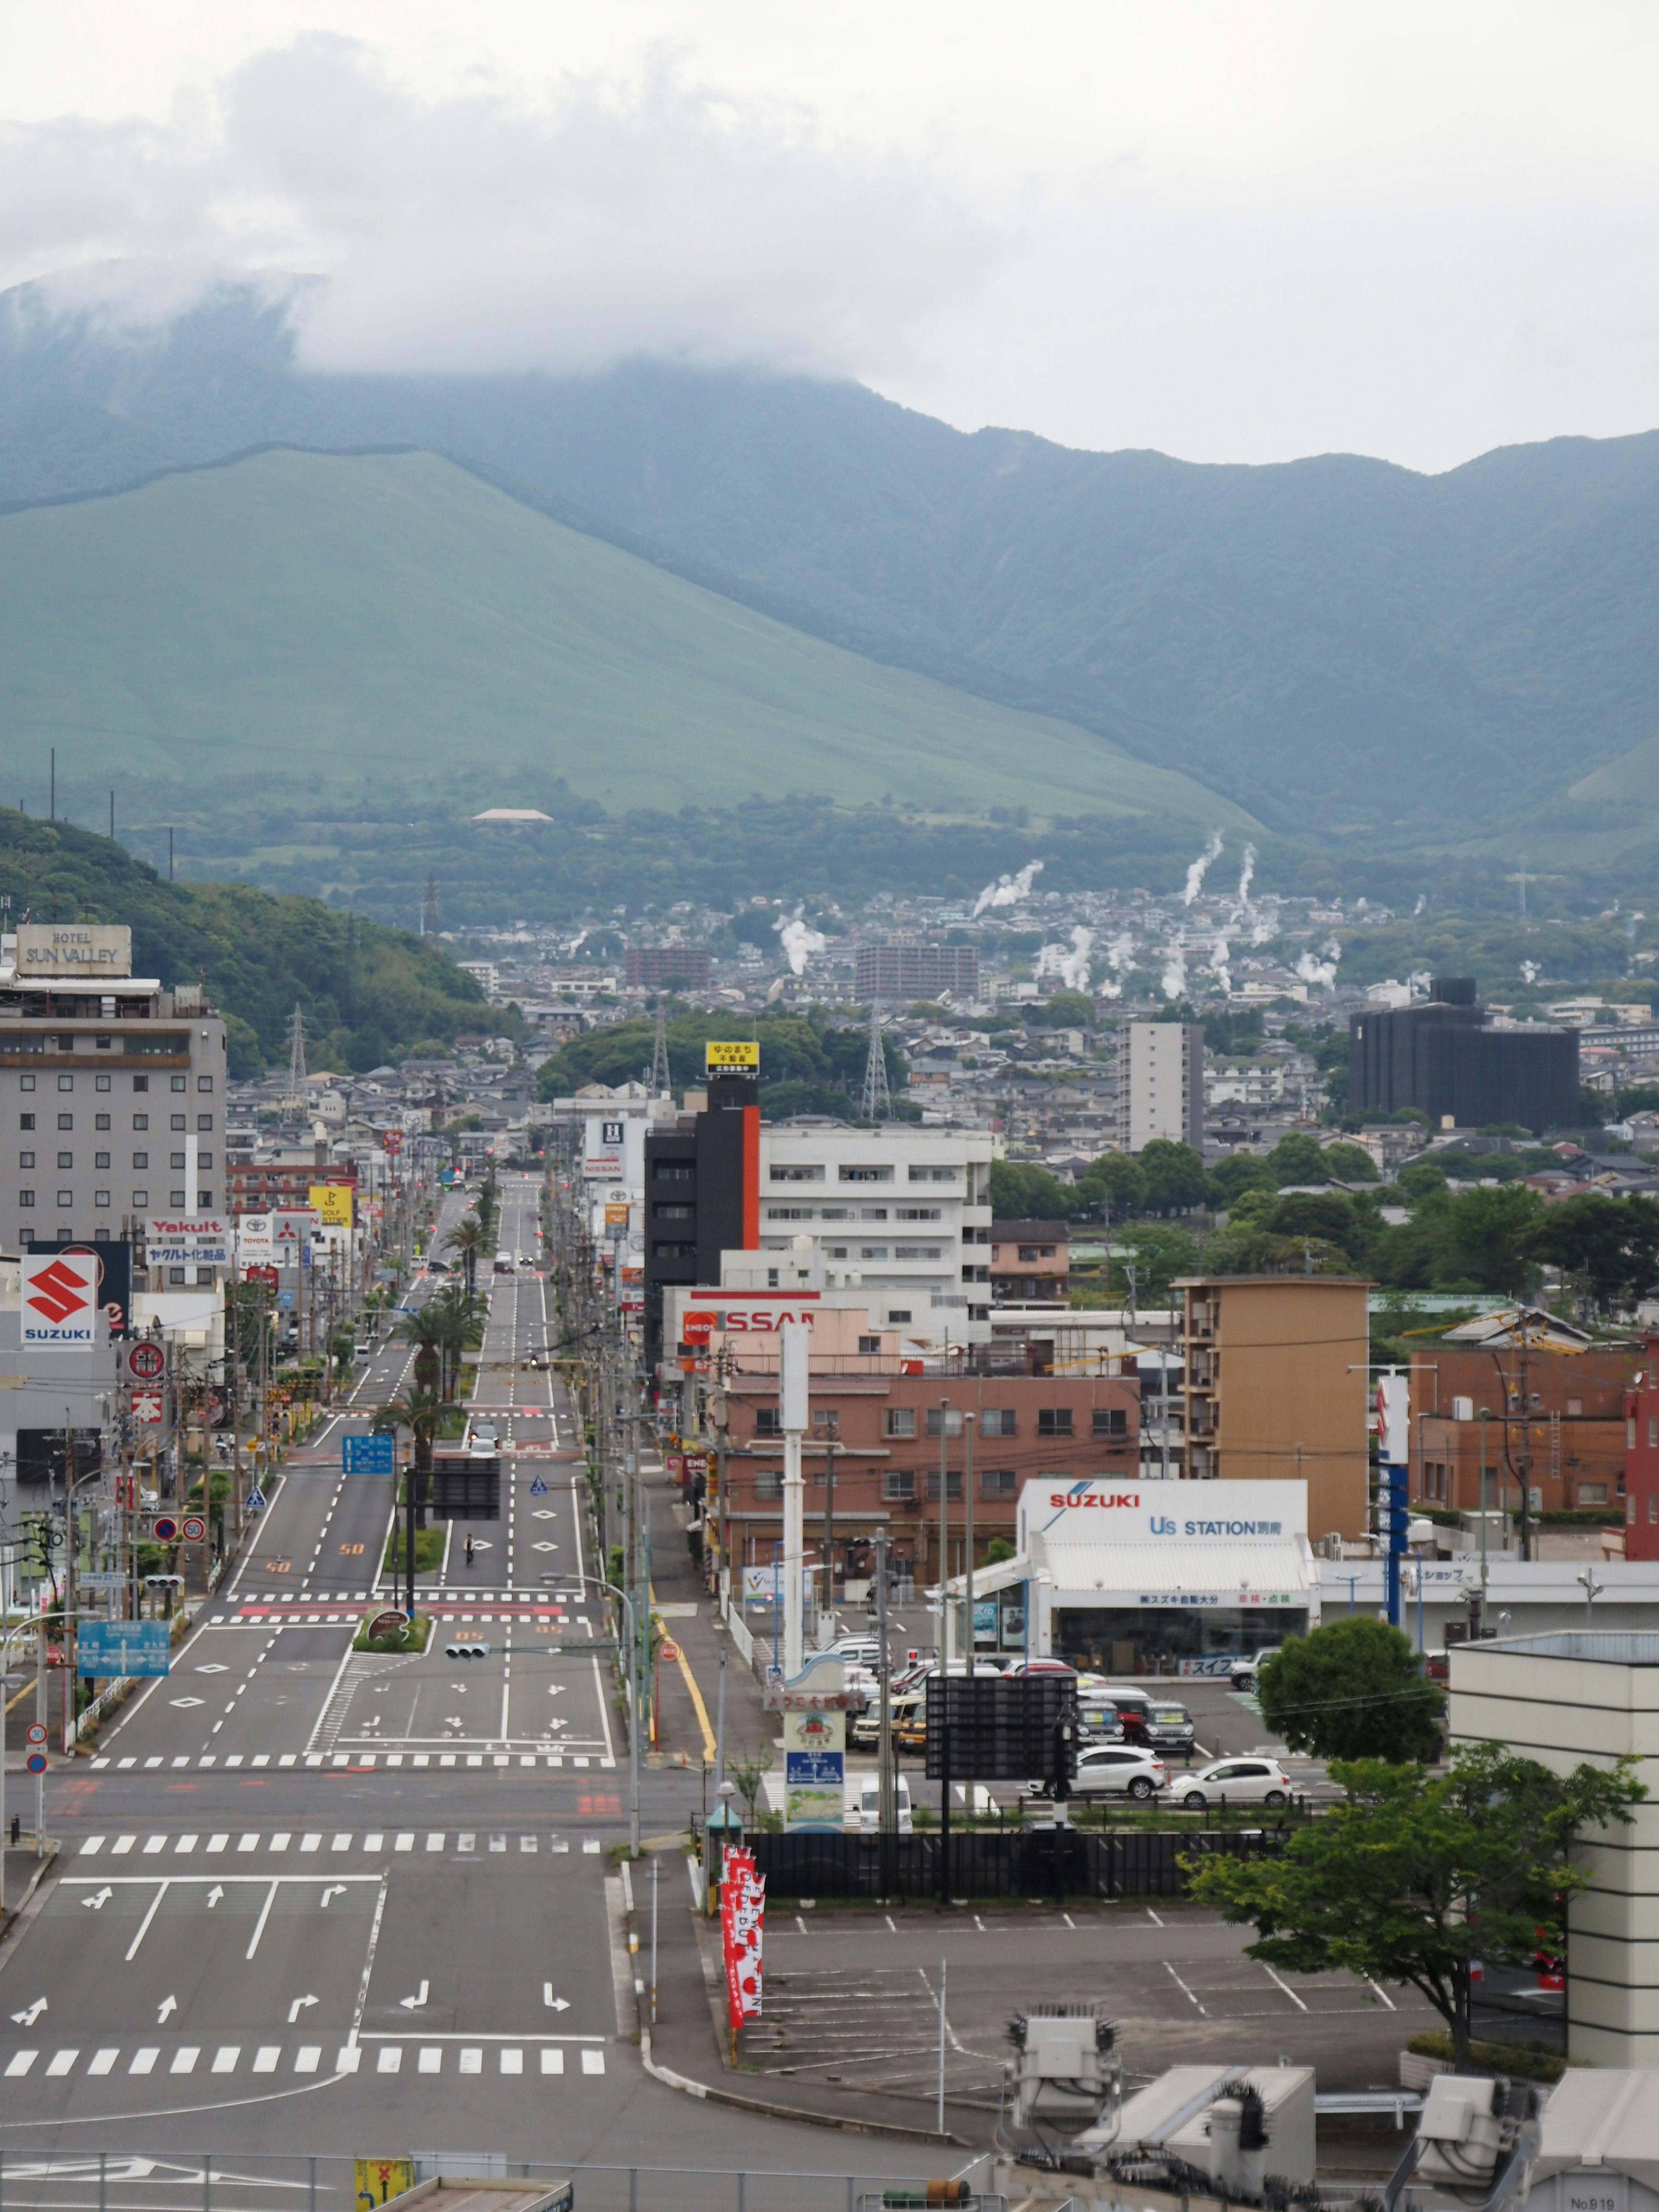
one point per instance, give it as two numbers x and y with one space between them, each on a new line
193 1528
36 1731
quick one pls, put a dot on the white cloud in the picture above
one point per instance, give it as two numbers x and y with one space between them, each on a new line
480 231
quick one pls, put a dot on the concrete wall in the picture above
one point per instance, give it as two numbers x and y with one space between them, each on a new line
1562 1710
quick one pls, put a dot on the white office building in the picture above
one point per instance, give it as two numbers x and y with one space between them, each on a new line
900 1213
111 1090
1160 1084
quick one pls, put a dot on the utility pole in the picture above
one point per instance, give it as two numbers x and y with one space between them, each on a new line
832 1429
943 1534
967 1420
876 1104
793 1395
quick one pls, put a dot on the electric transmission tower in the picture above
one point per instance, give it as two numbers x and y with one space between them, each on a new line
658 1082
429 911
877 1104
296 1060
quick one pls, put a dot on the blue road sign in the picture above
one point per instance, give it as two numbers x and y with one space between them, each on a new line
538 1488
256 1502
37 1762
284 1298
122 1647
368 1454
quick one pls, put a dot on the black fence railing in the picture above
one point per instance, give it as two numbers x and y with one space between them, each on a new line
1033 1863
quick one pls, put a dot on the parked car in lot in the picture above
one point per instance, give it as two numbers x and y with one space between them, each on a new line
1111 1769
1043 1666
863 1732
856 1650
1169 1727
1242 1673
1239 1781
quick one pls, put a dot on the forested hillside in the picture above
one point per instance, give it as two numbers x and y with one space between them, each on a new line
367 991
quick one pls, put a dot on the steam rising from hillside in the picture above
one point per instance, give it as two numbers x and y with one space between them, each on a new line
1008 891
1199 868
799 942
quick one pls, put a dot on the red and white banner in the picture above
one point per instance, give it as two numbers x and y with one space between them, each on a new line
742 1914
146 1405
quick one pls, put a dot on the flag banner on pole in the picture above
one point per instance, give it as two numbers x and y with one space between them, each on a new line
742 1912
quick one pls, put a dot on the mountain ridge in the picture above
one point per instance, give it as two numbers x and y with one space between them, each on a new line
1334 643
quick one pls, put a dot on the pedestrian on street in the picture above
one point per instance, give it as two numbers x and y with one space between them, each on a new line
469 1549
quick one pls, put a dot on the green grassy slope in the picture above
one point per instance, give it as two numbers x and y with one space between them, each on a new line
374 630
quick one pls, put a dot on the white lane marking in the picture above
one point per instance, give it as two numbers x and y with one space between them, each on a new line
1285 1986
143 1926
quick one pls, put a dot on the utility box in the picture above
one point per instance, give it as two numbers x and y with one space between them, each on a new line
1174 2117
1599 2151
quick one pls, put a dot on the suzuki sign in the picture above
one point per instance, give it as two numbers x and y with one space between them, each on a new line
1098 1506
60 1298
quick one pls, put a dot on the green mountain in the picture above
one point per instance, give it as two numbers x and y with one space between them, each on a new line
366 993
1413 666
374 634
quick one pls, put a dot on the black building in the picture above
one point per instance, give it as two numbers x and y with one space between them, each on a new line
1445 1058
701 1197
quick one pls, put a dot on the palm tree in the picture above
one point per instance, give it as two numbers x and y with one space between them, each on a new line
424 1330
457 1316
421 1413
468 1240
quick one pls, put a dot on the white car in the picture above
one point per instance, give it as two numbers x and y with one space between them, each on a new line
1112 1770
1242 1673
1239 1781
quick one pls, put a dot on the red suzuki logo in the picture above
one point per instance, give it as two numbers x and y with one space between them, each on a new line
58 1291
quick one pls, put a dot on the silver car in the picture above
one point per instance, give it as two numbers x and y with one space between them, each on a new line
1111 1769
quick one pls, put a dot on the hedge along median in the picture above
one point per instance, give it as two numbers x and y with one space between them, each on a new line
411 1636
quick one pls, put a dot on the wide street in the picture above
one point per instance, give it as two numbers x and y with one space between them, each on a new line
378 1886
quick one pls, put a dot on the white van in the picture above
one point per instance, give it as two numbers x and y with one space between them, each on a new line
863 1812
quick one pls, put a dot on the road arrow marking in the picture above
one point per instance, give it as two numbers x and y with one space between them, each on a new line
415 2003
297 2008
31 2013
165 2010
553 2003
336 1889
100 1900
214 1895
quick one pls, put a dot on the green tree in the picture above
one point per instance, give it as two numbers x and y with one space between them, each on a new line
1419 1179
1296 1157
1349 1164
1064 1009
1239 1172
1023 1192
1114 1185
459 1315
1417 1876
1174 1177
1495 1235
1353 1689
1160 1252
424 1330
1611 1244
469 1241
421 1413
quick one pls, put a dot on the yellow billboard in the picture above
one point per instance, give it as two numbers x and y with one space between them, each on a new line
333 1204
740 1053
380 2179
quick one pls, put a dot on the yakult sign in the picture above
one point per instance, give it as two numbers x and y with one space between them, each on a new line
1106 1507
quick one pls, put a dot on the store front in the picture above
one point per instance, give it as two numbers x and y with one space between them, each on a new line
1156 1578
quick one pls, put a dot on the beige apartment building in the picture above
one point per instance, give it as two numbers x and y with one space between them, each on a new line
1276 1388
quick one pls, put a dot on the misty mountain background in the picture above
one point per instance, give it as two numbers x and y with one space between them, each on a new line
1417 665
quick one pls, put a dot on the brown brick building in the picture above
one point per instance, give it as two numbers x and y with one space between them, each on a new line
882 1429
1567 1417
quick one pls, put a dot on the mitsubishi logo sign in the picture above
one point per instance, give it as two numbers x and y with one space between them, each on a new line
60 1298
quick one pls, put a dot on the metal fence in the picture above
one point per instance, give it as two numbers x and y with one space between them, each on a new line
126 2181
1031 1862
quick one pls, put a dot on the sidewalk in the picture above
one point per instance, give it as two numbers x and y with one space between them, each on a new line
701 1637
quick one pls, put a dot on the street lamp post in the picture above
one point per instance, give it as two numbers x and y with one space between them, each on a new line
599 1582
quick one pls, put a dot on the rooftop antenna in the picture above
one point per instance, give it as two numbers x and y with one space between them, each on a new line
657 1084
296 1060
429 912
877 1104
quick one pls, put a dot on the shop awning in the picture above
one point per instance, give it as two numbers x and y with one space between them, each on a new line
1226 1570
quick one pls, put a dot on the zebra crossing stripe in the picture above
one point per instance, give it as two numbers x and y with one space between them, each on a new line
431 2057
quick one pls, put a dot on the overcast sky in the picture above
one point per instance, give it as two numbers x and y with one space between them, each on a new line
1232 229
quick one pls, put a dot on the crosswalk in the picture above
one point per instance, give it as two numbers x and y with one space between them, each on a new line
453 1595
460 1842
360 1762
539 2060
